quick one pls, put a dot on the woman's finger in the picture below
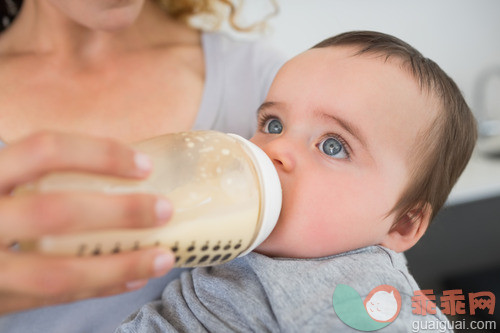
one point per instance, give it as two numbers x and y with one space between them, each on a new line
30 216
45 152
30 280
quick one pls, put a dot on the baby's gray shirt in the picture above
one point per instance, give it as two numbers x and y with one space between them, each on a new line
256 293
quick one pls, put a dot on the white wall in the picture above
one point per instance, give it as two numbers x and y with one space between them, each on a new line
462 36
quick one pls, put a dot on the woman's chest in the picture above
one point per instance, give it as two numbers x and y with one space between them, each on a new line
129 103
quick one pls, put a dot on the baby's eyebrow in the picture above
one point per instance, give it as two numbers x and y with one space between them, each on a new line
346 125
268 105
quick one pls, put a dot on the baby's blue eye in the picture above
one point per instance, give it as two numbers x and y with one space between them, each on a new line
333 147
273 126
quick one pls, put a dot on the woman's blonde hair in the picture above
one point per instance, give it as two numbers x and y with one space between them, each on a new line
210 14
202 14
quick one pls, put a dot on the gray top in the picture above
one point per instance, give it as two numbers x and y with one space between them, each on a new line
238 75
256 293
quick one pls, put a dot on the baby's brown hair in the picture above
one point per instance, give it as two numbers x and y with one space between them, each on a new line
445 146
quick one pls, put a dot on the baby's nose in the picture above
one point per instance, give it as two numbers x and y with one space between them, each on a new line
281 153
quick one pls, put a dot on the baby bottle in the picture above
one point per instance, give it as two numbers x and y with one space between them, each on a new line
225 192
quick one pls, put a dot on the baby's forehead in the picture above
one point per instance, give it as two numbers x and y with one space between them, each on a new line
353 51
317 60
400 62
418 112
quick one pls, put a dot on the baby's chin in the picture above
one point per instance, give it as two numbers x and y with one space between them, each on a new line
273 249
266 250
278 248
282 247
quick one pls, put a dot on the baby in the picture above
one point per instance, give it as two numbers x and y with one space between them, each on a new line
368 138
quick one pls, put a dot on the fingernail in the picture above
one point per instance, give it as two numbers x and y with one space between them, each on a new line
137 284
163 210
163 263
143 162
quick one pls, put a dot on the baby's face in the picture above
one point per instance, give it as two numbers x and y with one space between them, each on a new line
340 130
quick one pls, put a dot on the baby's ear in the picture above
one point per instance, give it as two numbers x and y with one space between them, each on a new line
409 229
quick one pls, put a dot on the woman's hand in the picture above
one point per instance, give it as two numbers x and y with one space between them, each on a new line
30 280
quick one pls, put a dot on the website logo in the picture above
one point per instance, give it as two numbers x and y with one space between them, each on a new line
380 308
